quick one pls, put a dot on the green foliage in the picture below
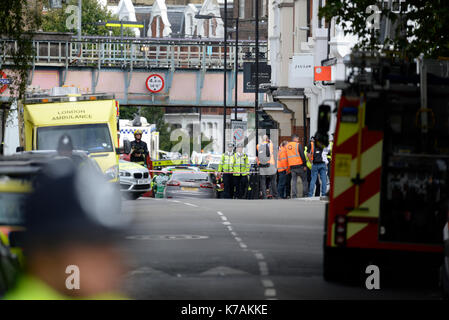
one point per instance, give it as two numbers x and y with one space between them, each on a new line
19 19
421 26
92 12
156 115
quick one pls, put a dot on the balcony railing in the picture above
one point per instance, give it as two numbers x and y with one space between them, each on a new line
136 53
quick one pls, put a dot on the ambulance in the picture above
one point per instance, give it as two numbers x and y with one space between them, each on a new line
89 119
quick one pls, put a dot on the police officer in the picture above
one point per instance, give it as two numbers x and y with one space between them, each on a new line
225 168
139 148
72 220
65 146
240 167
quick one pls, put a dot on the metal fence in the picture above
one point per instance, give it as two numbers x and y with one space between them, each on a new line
136 53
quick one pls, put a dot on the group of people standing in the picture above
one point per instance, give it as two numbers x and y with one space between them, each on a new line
278 174
307 162
235 169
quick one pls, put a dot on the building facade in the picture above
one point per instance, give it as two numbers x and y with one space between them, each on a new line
295 32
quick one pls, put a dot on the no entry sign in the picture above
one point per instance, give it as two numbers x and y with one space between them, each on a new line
4 82
155 83
238 131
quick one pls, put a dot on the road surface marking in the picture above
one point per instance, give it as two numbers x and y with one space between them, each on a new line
267 283
270 292
263 268
189 204
176 201
259 256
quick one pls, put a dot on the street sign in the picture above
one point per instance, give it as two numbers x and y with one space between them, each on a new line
155 83
301 71
4 81
329 62
323 73
238 129
249 76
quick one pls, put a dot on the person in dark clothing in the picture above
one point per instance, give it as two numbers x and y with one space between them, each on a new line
297 165
139 149
319 167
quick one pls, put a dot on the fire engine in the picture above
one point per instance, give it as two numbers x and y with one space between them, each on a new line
389 190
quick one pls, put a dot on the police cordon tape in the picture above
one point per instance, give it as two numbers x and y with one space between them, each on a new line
185 171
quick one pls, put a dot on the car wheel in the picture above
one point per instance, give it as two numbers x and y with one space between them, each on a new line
332 268
341 267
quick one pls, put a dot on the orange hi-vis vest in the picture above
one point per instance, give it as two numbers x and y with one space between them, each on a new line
282 159
312 150
294 159
271 154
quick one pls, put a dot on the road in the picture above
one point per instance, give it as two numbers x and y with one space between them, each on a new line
235 249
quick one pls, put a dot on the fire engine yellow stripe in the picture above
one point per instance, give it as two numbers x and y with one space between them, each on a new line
346 131
354 227
372 204
371 160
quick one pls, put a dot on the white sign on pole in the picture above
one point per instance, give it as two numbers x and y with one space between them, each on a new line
238 131
301 71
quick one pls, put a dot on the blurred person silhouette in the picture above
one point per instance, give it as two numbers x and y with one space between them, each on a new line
65 146
72 222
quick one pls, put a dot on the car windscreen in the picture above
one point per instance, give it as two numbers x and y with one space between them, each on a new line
189 176
12 208
89 137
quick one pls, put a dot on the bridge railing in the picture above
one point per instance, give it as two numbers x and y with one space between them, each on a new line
137 53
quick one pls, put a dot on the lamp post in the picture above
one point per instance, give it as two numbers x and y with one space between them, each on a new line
225 72
236 63
256 96
80 4
225 69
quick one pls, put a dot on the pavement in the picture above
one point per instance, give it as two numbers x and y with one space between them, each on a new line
235 249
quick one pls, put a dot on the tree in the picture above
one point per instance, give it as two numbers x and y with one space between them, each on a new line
55 20
20 18
156 115
421 26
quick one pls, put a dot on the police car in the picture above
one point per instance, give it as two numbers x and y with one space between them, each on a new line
134 179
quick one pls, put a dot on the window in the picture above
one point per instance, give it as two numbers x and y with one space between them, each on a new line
12 208
242 9
191 25
262 8
89 137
